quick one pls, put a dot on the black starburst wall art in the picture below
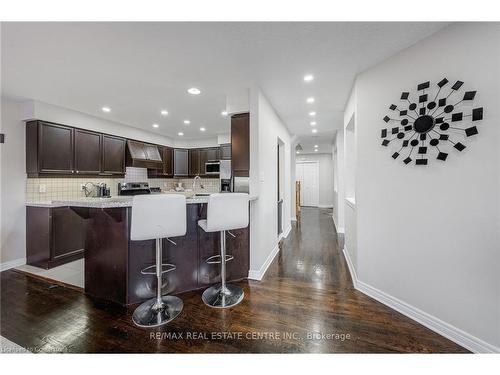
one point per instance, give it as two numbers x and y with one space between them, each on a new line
431 122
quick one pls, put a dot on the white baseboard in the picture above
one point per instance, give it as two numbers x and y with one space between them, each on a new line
325 206
285 233
350 264
259 274
337 228
449 331
12 264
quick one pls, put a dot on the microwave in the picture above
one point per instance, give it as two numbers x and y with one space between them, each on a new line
212 167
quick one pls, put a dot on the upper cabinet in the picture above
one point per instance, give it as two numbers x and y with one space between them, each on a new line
53 149
87 152
113 154
225 151
240 144
194 162
181 162
49 149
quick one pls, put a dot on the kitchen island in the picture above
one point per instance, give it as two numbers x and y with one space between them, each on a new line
113 262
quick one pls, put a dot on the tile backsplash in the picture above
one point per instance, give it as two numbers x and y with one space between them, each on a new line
48 189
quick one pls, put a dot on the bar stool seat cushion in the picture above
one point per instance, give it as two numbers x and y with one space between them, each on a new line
158 216
226 211
203 224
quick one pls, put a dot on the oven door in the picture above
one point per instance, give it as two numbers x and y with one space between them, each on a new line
212 167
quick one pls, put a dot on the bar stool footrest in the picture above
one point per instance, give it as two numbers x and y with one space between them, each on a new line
165 268
216 259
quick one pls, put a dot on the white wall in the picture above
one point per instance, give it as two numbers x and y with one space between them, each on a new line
13 179
325 176
265 129
429 236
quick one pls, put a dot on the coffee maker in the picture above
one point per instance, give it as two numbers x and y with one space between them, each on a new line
226 185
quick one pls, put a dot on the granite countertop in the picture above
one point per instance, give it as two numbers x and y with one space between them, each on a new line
113 202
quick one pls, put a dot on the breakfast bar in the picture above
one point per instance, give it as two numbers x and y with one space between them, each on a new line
113 262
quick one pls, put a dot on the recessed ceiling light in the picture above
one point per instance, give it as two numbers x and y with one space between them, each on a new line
164 112
155 125
202 129
316 150
297 152
315 145
106 109
308 78
187 122
310 100
224 113
313 123
315 130
312 113
194 91
180 134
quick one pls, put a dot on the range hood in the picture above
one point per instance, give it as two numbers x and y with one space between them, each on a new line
143 155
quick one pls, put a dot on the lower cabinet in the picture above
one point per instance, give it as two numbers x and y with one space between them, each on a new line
54 236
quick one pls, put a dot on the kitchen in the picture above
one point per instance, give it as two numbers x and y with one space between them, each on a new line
93 223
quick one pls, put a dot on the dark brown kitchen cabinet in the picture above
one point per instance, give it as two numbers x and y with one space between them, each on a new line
49 149
225 151
212 154
54 236
240 144
194 162
59 150
113 155
168 159
87 152
181 162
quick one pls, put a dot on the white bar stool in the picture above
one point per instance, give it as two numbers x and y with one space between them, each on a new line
157 217
225 212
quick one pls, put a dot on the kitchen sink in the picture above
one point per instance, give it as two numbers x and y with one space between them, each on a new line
201 194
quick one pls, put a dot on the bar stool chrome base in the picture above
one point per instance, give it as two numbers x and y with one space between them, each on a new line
149 314
217 298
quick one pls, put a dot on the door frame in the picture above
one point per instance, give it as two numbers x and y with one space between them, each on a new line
316 163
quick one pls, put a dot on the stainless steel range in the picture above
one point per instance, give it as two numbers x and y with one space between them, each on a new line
136 188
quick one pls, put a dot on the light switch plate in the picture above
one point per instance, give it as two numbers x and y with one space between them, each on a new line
42 188
261 176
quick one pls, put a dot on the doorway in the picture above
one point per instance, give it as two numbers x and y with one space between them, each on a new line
307 172
280 183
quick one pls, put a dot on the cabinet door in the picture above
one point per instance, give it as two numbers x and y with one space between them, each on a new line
113 155
181 162
55 149
194 162
240 144
212 154
168 157
68 233
225 151
87 152
203 160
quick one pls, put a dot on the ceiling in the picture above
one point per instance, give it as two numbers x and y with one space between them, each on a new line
138 69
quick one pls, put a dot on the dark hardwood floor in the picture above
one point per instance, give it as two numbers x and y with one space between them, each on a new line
307 290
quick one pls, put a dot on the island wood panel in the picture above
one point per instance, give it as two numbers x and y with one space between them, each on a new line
184 255
113 263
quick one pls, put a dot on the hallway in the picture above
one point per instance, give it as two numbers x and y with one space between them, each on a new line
306 303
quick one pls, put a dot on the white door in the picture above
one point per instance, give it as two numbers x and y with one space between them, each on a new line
308 175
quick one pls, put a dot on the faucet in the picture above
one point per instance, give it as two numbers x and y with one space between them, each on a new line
194 183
